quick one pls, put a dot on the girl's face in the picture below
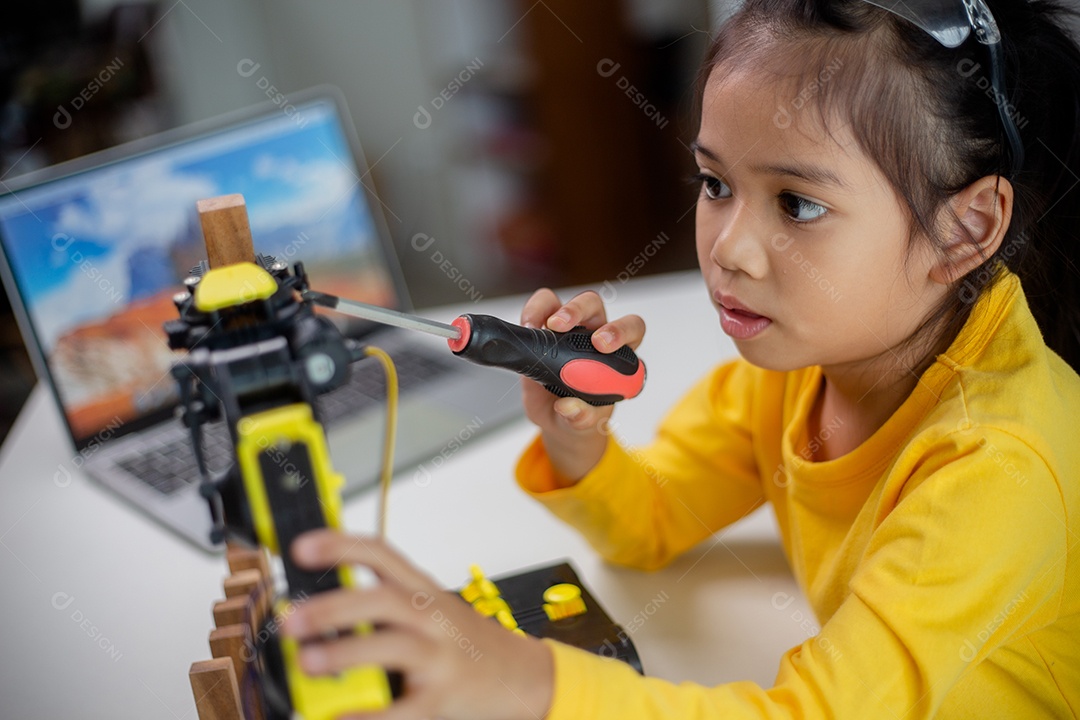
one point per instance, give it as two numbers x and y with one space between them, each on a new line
801 239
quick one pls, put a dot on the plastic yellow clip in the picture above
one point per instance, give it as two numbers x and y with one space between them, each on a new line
491 607
506 618
563 601
479 586
486 599
233 285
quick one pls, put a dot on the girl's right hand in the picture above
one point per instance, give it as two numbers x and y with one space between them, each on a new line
574 433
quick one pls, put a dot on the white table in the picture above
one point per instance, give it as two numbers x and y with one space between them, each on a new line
103 610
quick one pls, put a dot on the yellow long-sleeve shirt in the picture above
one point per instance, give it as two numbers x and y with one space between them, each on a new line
941 556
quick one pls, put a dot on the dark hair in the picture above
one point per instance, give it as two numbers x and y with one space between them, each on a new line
929 118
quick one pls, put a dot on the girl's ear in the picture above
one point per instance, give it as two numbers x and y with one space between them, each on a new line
974 221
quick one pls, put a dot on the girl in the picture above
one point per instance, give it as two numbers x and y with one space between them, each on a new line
934 528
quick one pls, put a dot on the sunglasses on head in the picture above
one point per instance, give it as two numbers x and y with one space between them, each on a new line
951 23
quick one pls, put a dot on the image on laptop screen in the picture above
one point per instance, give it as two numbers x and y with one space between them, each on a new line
98 255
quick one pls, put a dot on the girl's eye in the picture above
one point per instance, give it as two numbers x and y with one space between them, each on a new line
799 209
714 187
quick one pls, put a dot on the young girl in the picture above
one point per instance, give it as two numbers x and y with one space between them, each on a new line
935 528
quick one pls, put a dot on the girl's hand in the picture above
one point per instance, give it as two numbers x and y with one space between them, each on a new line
574 433
456 663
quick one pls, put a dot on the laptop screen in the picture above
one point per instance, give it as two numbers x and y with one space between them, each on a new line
94 256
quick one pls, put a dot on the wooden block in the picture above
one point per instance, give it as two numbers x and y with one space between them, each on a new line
242 583
251 583
226 231
238 610
252 610
217 695
244 558
234 642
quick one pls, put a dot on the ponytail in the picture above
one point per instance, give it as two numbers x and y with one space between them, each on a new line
1043 244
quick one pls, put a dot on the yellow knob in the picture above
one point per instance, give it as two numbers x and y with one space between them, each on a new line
563 601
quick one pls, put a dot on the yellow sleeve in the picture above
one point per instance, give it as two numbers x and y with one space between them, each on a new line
643 507
971 558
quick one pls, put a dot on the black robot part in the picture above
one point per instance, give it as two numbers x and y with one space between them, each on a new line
246 359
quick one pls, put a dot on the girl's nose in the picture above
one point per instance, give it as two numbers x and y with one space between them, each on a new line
737 245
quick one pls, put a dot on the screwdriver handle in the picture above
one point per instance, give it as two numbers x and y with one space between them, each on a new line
567 363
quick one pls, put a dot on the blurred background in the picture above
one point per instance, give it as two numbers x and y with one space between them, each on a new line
529 142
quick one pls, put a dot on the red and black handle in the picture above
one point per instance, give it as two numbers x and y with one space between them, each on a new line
566 363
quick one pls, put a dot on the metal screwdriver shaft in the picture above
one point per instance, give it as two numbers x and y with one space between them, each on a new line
382 315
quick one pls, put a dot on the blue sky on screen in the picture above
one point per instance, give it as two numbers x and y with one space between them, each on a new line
105 240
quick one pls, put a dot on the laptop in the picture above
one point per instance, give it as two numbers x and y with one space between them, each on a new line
93 251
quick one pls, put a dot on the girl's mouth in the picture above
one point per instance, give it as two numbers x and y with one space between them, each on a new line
738 321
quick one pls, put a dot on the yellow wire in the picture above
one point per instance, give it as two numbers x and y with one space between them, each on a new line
387 473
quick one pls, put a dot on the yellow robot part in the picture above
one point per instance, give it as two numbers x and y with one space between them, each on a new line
279 428
313 697
233 285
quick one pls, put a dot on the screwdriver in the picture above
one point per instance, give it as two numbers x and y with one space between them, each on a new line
566 363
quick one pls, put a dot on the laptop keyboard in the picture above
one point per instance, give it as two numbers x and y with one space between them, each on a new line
167 463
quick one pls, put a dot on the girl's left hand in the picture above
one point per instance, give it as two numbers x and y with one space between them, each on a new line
456 663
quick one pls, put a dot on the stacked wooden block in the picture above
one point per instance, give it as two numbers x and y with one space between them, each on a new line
224 687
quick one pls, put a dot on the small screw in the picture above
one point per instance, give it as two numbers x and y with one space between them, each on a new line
292 482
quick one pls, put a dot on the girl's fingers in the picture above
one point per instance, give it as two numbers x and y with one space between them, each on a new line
387 649
578 414
539 308
323 614
383 605
325 548
543 309
627 330
424 632
583 309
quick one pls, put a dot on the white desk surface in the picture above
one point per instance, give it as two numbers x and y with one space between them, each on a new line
104 610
